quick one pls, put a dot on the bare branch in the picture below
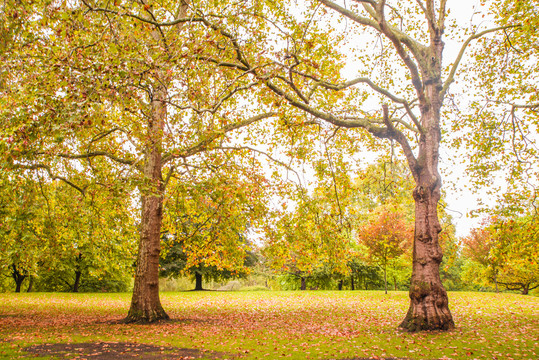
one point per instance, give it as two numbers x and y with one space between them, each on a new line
263 153
441 19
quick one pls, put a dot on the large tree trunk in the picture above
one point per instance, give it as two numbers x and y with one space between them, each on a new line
145 303
429 308
341 282
198 281
352 282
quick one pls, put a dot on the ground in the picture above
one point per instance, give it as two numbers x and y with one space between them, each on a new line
315 325
112 351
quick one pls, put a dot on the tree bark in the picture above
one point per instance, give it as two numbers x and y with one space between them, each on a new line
429 308
198 282
78 274
352 282
340 284
145 304
76 285
303 283
30 284
18 277
385 277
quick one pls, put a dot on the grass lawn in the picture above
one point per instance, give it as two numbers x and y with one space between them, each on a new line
267 325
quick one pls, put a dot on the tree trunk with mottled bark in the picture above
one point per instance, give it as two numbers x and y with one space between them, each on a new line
429 309
145 303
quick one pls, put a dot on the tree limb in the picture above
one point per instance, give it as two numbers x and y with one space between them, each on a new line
204 144
52 175
451 76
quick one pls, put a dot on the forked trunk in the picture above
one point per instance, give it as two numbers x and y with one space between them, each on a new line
18 277
145 303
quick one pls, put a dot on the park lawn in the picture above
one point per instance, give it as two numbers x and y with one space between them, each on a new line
273 325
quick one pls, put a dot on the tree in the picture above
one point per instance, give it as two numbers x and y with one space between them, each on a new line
91 236
517 250
386 236
22 226
500 142
507 249
208 224
478 246
125 93
311 241
296 76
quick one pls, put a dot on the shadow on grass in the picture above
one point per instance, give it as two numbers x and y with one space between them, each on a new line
120 350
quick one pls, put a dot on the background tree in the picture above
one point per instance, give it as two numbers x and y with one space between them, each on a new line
517 249
22 244
505 251
209 221
387 236
478 247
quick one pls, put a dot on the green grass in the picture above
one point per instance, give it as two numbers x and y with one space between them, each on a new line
273 325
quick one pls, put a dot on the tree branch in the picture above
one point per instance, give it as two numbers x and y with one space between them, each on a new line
451 76
96 154
52 175
146 20
204 144
379 90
